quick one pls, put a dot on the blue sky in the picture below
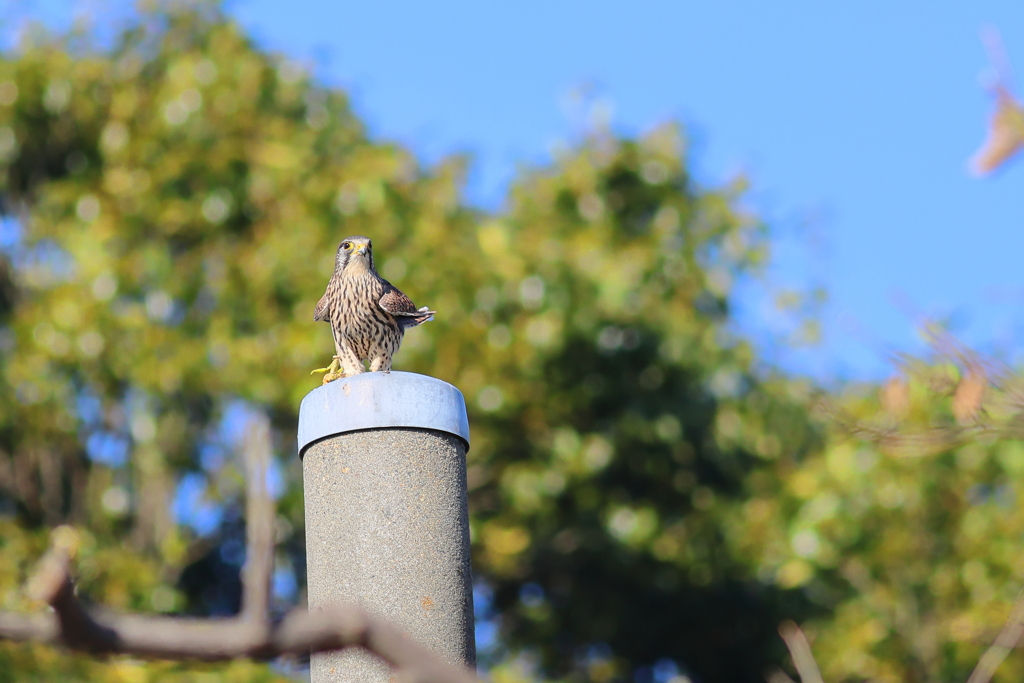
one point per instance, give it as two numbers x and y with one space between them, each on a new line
853 120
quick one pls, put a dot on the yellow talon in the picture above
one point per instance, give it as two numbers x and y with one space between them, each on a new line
332 372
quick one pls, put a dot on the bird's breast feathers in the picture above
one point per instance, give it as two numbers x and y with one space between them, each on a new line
357 298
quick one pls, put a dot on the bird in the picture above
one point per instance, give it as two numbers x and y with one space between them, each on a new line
368 314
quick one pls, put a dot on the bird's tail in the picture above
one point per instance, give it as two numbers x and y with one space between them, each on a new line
421 316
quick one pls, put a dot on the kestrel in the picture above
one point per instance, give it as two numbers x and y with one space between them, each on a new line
368 315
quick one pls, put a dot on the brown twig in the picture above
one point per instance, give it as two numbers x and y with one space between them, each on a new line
1006 641
1006 128
778 676
250 634
800 650
300 632
259 522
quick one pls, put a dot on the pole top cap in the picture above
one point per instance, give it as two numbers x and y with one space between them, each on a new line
374 400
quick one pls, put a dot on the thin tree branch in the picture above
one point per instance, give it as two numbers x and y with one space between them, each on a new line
1006 641
259 522
800 650
300 632
41 628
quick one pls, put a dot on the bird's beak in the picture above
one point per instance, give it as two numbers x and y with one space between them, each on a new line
361 249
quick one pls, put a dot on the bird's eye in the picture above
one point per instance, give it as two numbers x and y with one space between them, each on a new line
346 246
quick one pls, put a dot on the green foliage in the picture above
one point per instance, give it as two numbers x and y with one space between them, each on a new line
911 537
619 415
181 197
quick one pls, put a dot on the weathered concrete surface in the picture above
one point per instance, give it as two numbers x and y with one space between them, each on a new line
387 527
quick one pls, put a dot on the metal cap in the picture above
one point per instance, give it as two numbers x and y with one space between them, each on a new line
376 399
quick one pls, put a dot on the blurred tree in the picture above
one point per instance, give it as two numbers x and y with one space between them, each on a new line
620 416
171 208
905 527
172 203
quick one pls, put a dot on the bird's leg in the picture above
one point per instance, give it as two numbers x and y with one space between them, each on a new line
333 367
337 374
332 371
381 363
350 359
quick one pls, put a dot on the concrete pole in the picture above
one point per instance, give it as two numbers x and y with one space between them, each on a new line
387 524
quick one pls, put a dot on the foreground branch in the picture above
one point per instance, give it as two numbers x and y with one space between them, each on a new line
249 635
800 650
1006 641
259 522
299 633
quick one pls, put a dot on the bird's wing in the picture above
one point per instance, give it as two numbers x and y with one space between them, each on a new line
396 303
321 309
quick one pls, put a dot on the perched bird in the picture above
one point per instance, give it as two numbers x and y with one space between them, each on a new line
368 315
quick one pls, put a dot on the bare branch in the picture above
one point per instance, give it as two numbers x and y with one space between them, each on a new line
800 650
40 628
250 634
259 522
1006 641
301 632
349 625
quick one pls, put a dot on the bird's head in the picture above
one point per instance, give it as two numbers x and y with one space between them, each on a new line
355 255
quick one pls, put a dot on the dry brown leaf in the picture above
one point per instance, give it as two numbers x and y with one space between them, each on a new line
968 397
895 397
1005 135
1006 128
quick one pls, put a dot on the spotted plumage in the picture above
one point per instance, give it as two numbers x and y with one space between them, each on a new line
368 315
